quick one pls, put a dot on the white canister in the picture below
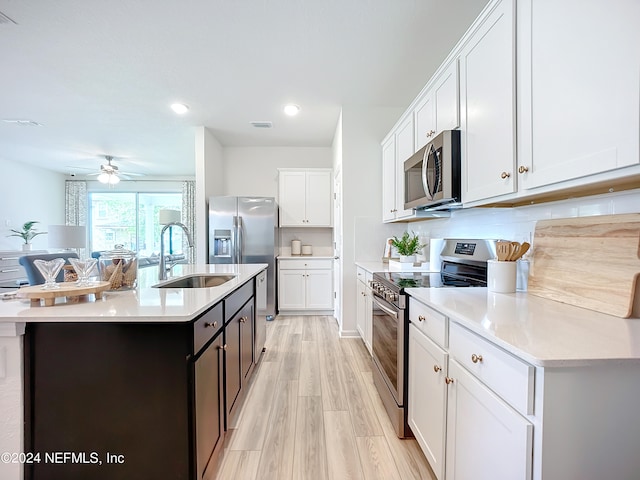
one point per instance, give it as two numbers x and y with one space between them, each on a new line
501 276
295 247
306 249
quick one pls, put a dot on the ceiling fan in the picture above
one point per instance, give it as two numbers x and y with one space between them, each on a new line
109 174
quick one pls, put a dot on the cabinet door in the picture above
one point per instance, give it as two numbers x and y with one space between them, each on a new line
319 204
579 88
487 107
232 365
246 340
404 149
360 308
389 180
428 397
368 321
486 439
291 289
319 289
291 198
209 408
445 93
425 120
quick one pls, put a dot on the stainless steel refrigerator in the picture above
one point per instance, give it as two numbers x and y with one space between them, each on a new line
245 230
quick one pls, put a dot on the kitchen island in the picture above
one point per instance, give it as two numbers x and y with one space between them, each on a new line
135 385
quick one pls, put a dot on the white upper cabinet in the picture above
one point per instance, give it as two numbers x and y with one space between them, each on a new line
578 88
487 106
438 109
305 198
404 149
389 179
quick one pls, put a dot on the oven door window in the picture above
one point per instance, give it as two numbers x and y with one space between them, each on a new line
385 341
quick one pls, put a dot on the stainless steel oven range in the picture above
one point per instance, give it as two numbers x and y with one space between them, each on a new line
463 264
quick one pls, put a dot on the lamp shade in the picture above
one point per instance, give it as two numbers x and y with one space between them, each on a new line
167 216
67 236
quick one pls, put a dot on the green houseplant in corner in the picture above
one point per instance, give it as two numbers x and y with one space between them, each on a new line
27 233
407 246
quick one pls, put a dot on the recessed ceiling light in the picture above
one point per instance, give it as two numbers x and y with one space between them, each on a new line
291 109
180 108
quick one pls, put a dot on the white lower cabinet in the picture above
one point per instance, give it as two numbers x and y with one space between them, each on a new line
486 438
428 397
364 308
305 285
465 429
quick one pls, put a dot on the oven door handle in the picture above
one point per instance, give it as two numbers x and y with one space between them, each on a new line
385 309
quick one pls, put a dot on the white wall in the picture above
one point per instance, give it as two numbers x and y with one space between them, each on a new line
209 181
29 193
362 131
518 223
254 170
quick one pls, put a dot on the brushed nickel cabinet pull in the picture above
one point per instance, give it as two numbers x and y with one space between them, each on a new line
421 318
523 169
437 368
448 380
504 175
476 358
209 324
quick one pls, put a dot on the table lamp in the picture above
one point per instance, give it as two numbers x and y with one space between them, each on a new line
68 237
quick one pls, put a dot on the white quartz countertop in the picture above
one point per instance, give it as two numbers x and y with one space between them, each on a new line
144 304
540 331
373 267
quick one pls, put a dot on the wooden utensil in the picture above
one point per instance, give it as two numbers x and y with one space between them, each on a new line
503 250
524 248
513 251
590 262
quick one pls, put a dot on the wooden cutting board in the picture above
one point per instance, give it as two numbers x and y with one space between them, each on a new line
590 262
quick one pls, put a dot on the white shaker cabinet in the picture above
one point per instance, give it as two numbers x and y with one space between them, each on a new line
397 148
428 397
305 197
486 438
438 109
305 285
578 89
487 106
364 307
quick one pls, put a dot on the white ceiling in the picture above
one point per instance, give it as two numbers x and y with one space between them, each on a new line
100 76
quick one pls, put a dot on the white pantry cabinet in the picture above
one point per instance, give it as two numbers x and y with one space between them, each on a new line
305 285
305 197
389 179
578 89
364 307
438 108
487 106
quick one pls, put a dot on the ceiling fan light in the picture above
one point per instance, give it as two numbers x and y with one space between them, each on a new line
114 179
103 177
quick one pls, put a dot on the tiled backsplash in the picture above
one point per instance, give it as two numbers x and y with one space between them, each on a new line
320 239
519 223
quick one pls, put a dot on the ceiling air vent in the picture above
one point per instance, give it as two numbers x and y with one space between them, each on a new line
262 124
5 19
23 123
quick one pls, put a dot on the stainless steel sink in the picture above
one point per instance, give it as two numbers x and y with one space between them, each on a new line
204 280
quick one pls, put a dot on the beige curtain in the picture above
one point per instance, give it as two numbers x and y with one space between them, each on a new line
75 205
189 216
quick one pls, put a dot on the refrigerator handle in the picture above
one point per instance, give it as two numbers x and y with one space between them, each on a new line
240 240
234 240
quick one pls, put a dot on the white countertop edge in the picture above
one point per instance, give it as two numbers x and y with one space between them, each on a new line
145 304
553 334
305 257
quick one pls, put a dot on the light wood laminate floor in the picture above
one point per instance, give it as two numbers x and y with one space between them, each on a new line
312 412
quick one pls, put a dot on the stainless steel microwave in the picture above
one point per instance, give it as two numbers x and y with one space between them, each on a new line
432 178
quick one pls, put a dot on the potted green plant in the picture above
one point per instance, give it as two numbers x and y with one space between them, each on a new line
407 246
27 233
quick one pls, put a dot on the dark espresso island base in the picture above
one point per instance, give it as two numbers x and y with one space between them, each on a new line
135 400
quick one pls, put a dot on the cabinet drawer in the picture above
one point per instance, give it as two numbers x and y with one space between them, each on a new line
9 260
237 299
205 328
505 374
433 324
363 275
308 264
